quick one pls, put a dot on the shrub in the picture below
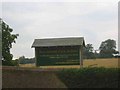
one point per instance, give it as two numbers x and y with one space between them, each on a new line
90 77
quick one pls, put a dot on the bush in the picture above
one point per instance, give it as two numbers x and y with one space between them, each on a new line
10 63
90 77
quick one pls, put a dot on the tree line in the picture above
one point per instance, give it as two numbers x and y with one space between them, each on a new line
24 60
107 48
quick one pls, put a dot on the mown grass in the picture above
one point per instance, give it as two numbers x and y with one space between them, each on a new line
90 77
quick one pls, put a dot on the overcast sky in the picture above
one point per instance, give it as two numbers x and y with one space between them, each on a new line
95 21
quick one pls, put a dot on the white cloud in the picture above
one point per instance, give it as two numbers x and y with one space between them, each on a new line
92 20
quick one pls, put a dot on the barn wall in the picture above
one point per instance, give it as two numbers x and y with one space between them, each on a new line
55 56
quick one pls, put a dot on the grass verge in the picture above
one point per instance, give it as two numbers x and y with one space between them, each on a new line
90 77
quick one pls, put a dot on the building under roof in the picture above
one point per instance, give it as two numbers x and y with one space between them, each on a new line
58 51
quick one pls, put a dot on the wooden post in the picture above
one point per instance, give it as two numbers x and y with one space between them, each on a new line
35 56
80 56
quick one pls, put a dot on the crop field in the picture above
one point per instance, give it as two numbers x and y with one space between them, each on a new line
108 63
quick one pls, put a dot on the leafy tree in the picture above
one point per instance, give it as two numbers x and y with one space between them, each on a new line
23 60
7 40
15 62
96 54
107 48
88 51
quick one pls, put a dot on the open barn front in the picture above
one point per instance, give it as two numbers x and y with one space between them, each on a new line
67 55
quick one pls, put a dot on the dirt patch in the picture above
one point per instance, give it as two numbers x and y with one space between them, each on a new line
19 78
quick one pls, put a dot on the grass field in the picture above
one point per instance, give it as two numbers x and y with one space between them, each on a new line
29 76
108 63
13 77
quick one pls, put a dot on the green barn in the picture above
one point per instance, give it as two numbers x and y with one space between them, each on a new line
59 51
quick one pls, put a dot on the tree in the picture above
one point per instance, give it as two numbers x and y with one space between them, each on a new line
23 60
88 51
7 40
96 54
107 48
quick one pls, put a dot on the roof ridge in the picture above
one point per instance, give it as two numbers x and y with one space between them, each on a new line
70 41
61 38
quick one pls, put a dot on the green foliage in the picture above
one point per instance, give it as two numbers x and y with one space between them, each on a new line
107 48
89 77
7 40
15 62
11 63
88 52
23 60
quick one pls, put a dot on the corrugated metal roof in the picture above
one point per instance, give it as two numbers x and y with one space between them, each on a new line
71 41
